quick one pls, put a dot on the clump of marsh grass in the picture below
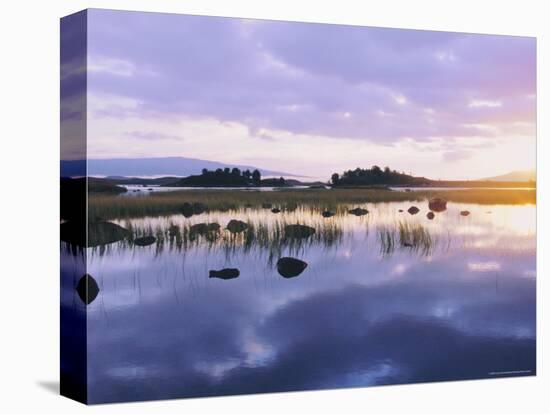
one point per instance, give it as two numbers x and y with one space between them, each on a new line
405 235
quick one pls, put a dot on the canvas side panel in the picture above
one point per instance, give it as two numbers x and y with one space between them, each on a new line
73 187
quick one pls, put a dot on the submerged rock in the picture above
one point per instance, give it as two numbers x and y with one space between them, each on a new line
437 204
290 267
413 210
327 214
298 231
236 226
464 213
87 289
358 211
275 210
145 241
225 274
430 215
99 233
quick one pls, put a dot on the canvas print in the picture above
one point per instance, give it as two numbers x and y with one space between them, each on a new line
252 206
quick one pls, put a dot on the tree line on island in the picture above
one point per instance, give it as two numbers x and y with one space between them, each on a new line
230 177
375 176
234 177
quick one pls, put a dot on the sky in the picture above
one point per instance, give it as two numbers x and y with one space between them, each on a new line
310 99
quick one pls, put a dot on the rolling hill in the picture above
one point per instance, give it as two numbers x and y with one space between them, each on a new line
520 176
147 167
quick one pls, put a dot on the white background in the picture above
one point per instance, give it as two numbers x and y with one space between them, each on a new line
29 230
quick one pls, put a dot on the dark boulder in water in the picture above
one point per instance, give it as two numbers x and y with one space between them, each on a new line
430 215
87 289
236 226
464 213
413 210
188 209
225 274
145 241
358 211
437 204
202 229
327 214
198 229
212 227
275 210
290 267
298 231
99 233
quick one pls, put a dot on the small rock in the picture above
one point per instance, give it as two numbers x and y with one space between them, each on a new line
87 289
298 231
430 215
464 213
400 210
236 226
437 204
413 210
275 210
290 267
93 233
213 227
327 214
358 211
225 274
145 241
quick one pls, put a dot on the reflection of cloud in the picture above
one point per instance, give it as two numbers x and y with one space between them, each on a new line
483 266
346 322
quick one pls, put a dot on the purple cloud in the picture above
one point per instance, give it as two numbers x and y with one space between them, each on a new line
332 80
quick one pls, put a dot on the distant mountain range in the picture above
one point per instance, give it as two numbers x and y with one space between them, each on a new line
514 176
163 166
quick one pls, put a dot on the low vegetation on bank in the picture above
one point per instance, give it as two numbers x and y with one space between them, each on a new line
108 206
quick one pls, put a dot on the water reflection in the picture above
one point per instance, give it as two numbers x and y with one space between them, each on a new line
359 313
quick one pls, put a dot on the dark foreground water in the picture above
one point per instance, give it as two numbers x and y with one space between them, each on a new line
367 310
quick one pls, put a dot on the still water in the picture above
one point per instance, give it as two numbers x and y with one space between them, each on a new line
459 303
